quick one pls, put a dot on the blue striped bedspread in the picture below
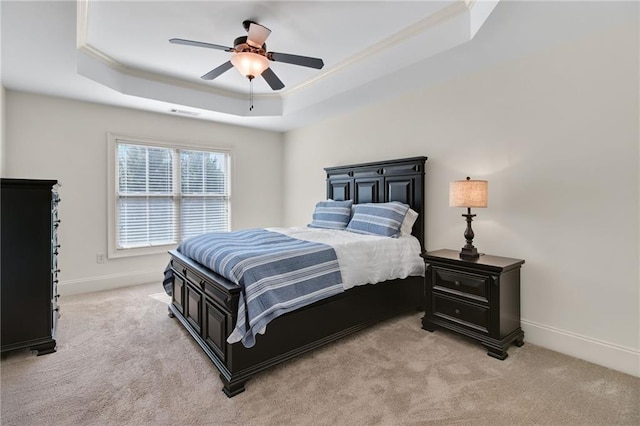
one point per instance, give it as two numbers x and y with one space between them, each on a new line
278 273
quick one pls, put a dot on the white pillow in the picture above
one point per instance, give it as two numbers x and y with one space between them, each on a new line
407 224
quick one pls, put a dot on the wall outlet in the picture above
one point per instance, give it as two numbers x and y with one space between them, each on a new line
101 258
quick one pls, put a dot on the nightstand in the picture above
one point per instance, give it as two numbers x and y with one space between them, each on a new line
478 298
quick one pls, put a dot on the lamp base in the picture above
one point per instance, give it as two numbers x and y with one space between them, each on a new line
470 253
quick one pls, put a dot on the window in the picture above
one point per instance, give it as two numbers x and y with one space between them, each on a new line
164 194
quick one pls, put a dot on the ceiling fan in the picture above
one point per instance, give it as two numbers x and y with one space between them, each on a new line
250 56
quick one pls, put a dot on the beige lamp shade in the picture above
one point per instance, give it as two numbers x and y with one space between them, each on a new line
468 193
250 64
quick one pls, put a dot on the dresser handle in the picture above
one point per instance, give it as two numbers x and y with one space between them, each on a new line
457 311
457 283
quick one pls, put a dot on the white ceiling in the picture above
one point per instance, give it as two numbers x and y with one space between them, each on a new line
117 52
135 34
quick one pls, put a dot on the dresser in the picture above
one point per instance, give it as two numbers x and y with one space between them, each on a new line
29 265
477 298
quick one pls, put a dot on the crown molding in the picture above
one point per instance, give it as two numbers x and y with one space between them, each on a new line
432 21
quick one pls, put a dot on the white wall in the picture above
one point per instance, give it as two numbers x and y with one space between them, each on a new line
3 128
52 138
556 135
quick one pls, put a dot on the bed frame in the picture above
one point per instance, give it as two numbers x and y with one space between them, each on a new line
206 304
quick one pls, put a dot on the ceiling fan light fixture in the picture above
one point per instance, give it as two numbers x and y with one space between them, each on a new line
250 64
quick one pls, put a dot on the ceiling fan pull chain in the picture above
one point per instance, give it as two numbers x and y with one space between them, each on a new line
250 93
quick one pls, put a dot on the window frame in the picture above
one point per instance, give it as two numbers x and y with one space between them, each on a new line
113 251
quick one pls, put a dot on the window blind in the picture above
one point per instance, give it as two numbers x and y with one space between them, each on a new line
165 195
205 192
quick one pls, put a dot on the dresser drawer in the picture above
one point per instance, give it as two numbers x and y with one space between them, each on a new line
468 285
467 314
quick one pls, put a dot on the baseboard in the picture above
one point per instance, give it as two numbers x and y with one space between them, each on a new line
599 352
108 282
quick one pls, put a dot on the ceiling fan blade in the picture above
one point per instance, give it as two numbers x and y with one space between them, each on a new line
304 61
272 79
200 44
257 34
217 71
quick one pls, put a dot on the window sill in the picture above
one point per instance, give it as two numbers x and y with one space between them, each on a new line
139 251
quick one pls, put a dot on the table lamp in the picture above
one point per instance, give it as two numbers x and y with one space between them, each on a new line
468 193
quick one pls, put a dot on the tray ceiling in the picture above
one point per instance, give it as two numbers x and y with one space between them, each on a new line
118 52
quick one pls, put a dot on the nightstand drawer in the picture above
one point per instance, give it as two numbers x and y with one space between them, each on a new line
470 285
467 314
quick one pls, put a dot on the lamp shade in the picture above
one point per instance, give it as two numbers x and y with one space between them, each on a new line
250 64
468 193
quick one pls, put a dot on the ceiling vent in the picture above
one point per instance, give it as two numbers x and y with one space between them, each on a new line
184 112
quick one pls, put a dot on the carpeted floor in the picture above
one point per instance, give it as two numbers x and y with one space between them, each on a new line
122 361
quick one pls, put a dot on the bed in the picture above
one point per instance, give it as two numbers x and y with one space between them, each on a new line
207 304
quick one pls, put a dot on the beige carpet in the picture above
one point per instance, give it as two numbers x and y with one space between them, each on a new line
122 360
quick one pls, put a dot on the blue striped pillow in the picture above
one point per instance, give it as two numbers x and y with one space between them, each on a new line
378 218
331 214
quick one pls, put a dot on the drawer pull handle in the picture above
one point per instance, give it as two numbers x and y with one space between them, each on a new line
457 311
457 283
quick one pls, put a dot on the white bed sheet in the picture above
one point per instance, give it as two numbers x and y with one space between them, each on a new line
366 259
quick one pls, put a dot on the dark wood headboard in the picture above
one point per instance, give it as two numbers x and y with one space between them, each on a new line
380 182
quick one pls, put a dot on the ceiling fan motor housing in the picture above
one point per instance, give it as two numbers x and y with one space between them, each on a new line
240 44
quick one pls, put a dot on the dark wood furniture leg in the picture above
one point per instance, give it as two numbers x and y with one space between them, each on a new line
44 348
